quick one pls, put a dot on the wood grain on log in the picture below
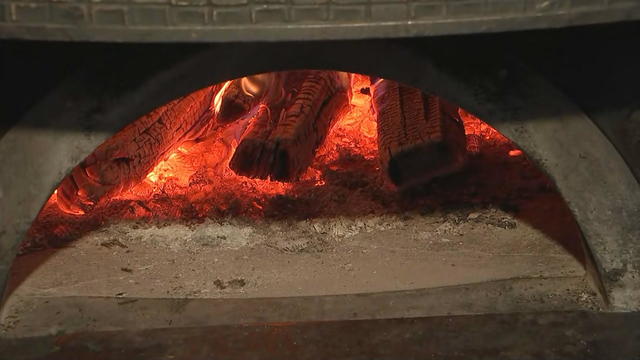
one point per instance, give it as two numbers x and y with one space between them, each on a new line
127 157
282 142
418 137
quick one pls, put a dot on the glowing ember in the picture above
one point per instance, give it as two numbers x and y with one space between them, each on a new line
479 132
194 180
354 133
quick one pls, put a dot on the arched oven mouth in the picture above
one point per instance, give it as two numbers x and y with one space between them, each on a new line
300 189
273 183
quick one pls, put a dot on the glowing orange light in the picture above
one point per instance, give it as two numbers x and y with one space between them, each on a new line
196 175
257 205
199 170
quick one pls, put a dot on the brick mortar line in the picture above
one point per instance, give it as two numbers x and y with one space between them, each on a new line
89 10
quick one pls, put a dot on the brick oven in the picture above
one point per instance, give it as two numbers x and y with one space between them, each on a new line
278 20
315 179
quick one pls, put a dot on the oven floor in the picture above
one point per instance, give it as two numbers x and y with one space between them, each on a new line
238 259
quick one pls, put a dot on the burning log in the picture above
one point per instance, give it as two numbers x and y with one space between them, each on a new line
244 94
126 158
282 141
250 157
235 102
419 136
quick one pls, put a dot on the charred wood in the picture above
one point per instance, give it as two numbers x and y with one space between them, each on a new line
282 141
419 135
244 94
235 102
126 158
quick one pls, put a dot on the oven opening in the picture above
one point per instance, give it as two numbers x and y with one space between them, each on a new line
301 184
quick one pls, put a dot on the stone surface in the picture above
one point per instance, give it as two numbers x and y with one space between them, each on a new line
612 238
381 17
149 16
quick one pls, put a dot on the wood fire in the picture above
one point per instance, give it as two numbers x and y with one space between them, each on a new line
279 121
245 146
